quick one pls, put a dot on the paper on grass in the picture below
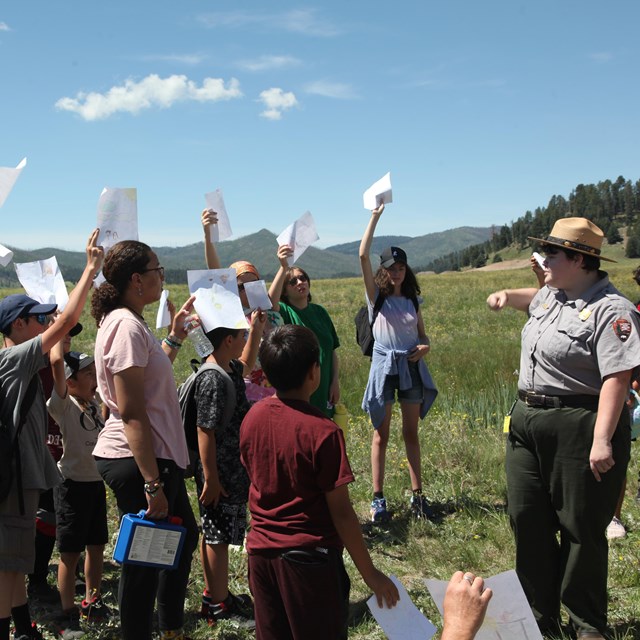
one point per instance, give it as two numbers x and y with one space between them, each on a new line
404 621
378 193
43 281
509 616
8 177
299 235
117 216
257 295
218 307
221 230
6 255
204 278
163 319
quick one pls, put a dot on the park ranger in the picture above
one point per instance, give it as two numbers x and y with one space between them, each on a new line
569 438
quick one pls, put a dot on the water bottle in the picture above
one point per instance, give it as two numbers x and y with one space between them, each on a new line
197 336
341 417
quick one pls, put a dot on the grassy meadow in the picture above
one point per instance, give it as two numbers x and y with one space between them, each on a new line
473 360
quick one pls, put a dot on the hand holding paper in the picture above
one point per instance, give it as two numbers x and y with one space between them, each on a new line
222 229
508 617
300 235
404 621
378 193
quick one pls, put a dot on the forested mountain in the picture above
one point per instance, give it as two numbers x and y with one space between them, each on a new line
608 204
260 248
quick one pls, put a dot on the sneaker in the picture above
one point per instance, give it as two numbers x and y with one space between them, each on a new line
68 625
420 508
34 634
616 529
43 592
238 609
379 511
95 610
206 603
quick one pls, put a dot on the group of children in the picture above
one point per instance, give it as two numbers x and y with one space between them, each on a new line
282 456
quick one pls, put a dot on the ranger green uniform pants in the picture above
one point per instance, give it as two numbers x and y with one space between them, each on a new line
551 489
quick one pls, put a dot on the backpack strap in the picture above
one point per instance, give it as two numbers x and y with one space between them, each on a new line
25 406
230 404
377 305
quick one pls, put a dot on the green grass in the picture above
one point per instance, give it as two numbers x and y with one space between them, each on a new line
473 359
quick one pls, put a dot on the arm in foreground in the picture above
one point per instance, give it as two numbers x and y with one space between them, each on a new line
465 605
348 528
519 299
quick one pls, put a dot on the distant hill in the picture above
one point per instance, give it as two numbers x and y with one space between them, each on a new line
423 249
334 262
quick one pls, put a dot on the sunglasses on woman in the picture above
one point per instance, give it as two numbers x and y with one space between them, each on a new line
292 282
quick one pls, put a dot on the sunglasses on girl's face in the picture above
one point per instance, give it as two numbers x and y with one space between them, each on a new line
292 282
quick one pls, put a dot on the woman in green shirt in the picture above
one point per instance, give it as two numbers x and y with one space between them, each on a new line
296 308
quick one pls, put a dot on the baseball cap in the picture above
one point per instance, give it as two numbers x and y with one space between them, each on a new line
391 255
75 361
19 304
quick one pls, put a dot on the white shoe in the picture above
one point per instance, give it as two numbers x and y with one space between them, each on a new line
616 529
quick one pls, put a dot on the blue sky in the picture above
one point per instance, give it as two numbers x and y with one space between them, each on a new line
480 110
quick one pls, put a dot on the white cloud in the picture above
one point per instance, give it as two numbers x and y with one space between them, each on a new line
267 62
601 56
4 26
303 21
180 58
276 101
133 97
336 90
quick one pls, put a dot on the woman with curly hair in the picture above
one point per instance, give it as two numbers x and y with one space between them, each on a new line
141 453
400 344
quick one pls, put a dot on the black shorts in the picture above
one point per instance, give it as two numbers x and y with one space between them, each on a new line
81 515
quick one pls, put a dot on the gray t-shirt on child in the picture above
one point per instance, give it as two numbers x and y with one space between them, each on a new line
18 365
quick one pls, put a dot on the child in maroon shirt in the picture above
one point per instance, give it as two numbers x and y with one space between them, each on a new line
301 515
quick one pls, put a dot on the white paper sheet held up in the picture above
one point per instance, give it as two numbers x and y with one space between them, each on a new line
509 616
222 230
43 281
404 621
163 319
257 295
8 177
117 216
218 307
378 193
6 255
204 278
300 235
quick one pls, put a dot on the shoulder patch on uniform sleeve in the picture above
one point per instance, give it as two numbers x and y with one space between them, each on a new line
622 328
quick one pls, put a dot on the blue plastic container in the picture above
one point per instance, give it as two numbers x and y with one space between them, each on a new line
149 543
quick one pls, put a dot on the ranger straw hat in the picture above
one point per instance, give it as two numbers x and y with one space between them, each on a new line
576 234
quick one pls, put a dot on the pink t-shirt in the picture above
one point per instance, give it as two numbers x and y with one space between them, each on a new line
124 341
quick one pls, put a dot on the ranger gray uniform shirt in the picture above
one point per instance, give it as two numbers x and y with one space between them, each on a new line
569 346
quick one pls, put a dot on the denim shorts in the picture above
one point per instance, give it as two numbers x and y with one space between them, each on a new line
413 395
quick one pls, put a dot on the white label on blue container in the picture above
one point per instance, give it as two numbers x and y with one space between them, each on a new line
155 546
